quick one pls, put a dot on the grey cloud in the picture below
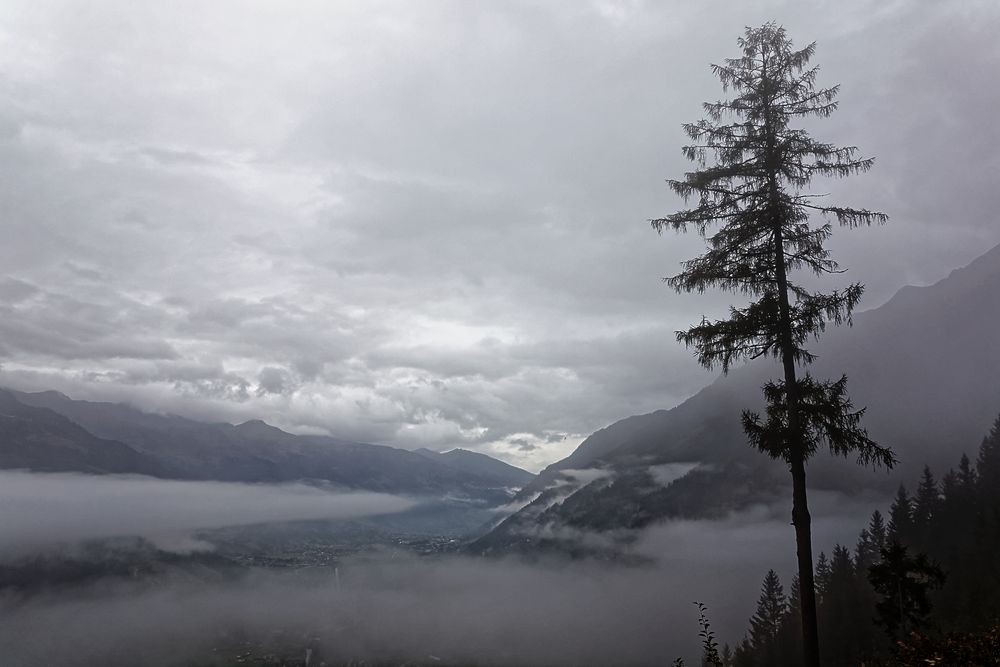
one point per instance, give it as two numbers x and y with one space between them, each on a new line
171 156
57 325
523 444
14 291
42 511
431 215
273 380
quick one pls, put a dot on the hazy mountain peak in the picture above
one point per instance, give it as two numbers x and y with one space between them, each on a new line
476 463
258 428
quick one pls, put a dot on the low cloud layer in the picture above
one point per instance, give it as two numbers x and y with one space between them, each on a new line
458 609
45 510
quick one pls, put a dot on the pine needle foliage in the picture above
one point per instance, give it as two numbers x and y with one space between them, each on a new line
748 198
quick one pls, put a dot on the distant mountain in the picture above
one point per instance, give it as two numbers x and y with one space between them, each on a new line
57 432
926 364
37 438
482 465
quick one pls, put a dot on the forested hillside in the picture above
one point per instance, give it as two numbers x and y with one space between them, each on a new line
921 584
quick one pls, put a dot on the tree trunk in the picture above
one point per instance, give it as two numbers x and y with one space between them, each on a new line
796 459
803 550
800 506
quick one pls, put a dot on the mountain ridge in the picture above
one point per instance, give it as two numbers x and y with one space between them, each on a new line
478 463
252 451
926 364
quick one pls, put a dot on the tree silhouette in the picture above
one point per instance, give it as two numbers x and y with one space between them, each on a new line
903 582
754 191
988 466
862 625
901 517
765 624
790 636
877 530
926 505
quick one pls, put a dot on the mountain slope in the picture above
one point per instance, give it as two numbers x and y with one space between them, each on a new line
926 364
36 438
257 452
481 465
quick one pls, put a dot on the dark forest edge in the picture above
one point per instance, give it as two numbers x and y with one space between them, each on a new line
920 588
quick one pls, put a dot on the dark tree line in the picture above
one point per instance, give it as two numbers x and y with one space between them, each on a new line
912 581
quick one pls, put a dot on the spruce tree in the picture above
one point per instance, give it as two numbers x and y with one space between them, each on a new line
865 552
727 656
988 538
901 518
927 499
988 466
838 614
744 656
822 575
790 636
966 476
903 582
765 624
926 507
877 530
755 191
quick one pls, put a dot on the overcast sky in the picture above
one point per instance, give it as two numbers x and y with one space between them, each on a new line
425 223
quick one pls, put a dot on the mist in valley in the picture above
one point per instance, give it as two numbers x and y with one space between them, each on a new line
382 605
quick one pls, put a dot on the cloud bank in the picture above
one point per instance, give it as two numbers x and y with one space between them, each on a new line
458 609
46 510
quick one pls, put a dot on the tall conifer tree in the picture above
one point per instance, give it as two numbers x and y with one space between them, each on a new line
927 500
988 465
926 506
901 518
765 624
822 575
755 191
877 529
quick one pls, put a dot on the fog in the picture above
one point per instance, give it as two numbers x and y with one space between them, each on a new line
44 510
387 607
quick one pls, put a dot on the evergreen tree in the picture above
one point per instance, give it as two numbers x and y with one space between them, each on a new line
765 624
901 518
956 545
865 552
988 538
790 635
822 575
988 466
794 598
926 506
966 475
877 530
927 500
755 192
963 535
903 582
950 492
727 656
845 629
744 657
